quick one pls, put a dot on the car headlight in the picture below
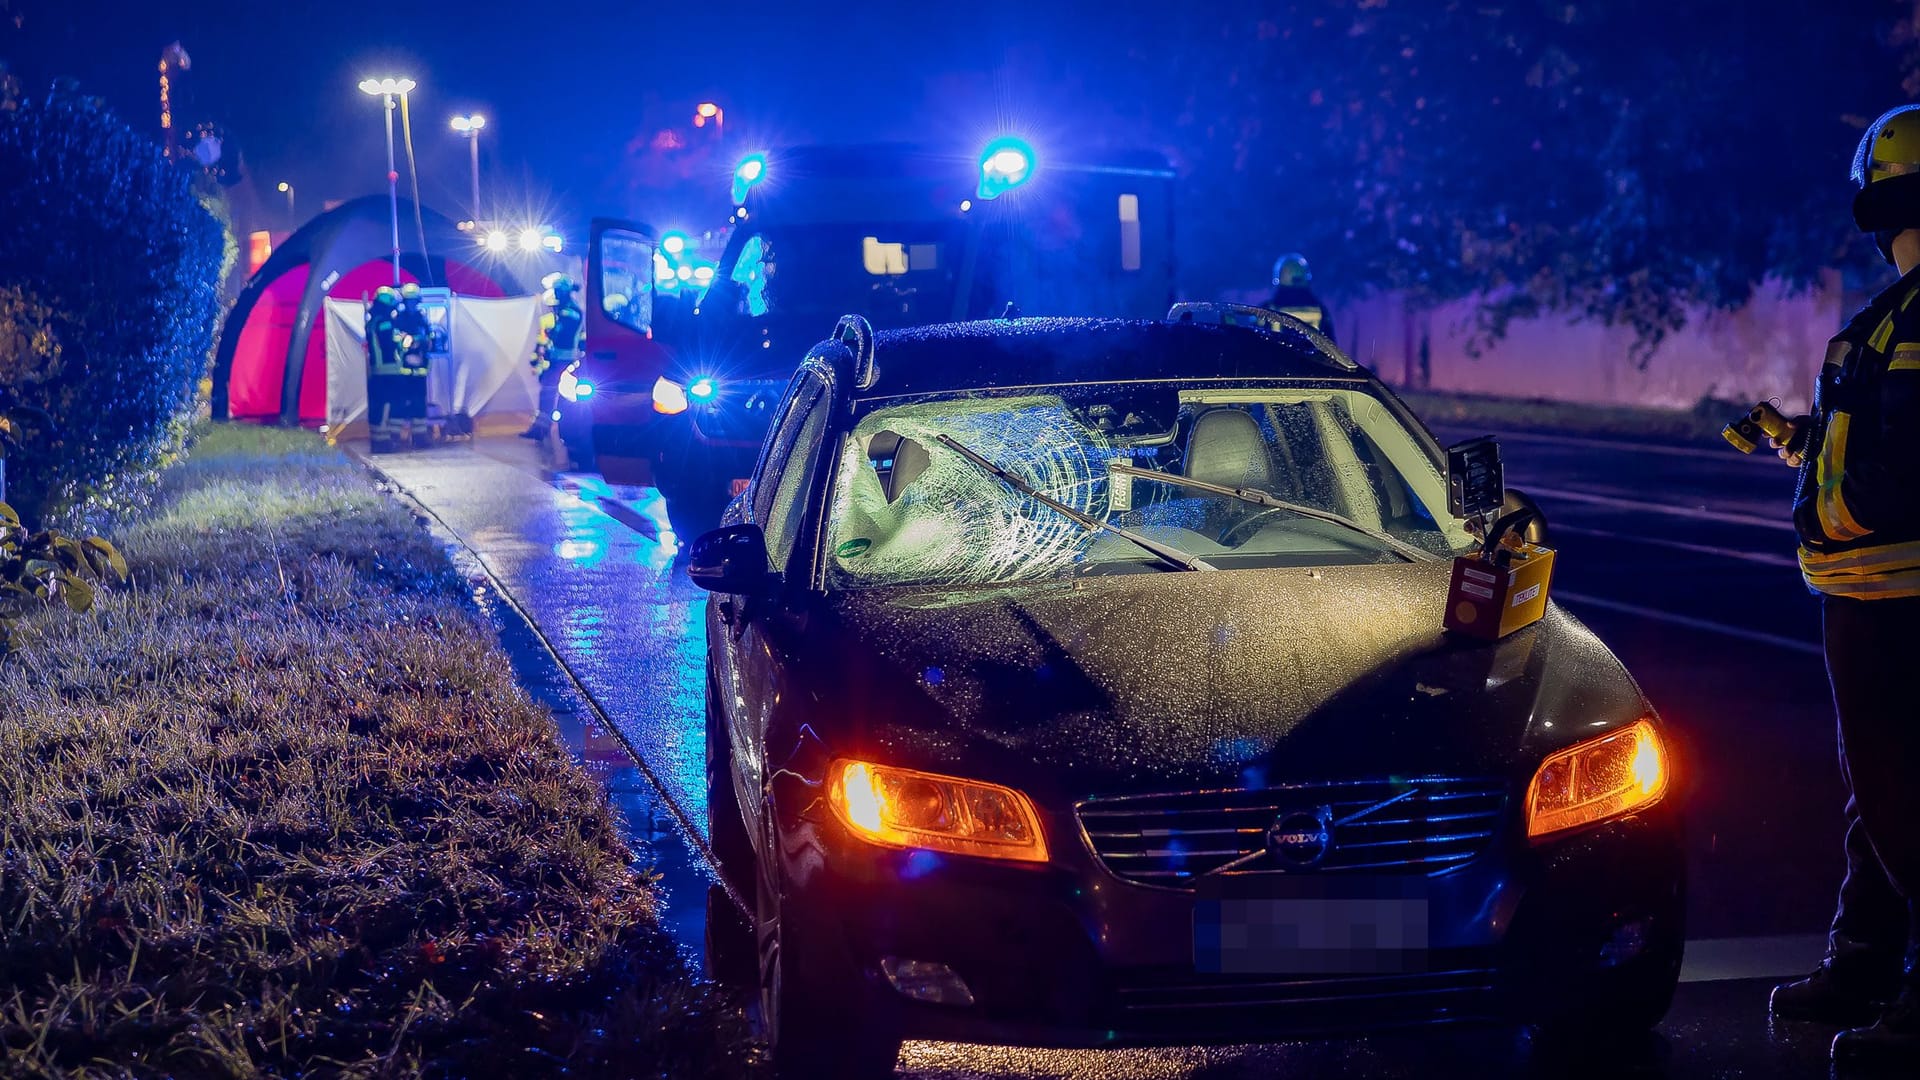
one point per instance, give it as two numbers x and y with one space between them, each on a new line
668 396
897 807
1617 773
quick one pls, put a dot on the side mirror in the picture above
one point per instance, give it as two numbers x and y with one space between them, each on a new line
1535 530
730 559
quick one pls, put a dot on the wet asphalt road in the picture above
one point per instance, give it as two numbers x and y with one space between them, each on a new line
1676 556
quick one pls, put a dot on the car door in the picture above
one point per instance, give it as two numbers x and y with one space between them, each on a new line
622 356
756 637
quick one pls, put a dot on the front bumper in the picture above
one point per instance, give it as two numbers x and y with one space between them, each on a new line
1065 954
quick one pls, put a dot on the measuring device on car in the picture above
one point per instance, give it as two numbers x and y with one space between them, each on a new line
1503 586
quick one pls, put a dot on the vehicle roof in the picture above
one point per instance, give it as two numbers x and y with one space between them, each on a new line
828 161
989 353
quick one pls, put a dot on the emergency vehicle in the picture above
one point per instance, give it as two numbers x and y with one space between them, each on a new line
691 339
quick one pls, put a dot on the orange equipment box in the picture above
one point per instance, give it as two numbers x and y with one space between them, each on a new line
1490 601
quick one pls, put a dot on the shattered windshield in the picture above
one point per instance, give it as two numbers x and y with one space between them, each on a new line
907 510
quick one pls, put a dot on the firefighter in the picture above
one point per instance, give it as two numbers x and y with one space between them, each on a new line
411 319
1857 511
1293 294
416 335
385 369
562 332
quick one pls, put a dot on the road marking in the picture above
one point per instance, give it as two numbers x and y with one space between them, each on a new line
1793 644
1762 557
1715 959
1626 446
1698 513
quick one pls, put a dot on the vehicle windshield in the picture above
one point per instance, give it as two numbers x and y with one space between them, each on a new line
900 274
908 510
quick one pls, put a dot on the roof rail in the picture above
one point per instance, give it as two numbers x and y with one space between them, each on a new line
856 333
1224 314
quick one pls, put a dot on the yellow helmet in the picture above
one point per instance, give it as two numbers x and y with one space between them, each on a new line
1891 146
410 291
386 296
1886 168
1291 269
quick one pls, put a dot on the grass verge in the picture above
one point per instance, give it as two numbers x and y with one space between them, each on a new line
1699 425
281 810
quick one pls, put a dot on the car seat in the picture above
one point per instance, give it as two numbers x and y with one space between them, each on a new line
1226 446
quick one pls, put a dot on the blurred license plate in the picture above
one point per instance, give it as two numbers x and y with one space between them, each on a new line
1313 935
739 485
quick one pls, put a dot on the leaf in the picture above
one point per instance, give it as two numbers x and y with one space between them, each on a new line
41 569
99 551
76 592
8 515
71 555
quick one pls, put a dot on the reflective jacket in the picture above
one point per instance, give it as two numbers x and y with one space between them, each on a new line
1301 303
562 330
1857 506
383 343
411 320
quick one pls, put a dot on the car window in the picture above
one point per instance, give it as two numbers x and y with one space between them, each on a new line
753 274
790 493
626 278
779 499
907 509
778 441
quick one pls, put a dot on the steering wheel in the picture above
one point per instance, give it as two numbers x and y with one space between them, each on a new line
1231 535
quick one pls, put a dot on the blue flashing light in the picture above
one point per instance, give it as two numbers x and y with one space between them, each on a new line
1005 164
703 389
582 389
751 170
673 243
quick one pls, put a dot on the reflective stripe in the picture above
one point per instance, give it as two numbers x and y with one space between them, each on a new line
1880 572
1905 363
1836 519
1869 589
1882 335
1833 507
1864 558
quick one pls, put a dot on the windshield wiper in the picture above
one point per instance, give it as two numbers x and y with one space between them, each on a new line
1261 498
1166 553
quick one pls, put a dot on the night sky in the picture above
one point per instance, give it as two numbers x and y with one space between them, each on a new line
566 94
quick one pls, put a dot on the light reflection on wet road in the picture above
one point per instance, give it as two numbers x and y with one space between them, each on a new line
594 568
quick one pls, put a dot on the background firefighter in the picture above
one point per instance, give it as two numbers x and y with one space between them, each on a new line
1857 512
390 387
562 332
1293 293
416 335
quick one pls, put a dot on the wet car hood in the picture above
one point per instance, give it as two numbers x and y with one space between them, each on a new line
1235 678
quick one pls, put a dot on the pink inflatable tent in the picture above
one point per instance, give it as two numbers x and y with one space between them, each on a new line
271 365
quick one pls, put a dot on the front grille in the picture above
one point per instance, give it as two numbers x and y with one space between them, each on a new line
1190 1001
1424 826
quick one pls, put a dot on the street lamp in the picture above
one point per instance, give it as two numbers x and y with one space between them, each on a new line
385 89
469 128
287 190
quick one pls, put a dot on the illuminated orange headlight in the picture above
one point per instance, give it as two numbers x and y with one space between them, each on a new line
1617 773
907 808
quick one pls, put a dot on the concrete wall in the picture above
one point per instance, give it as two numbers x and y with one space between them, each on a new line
1771 348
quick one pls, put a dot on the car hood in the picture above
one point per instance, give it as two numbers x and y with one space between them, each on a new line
1234 678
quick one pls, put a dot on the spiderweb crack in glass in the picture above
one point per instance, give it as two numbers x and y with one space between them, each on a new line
958 525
